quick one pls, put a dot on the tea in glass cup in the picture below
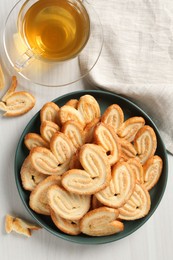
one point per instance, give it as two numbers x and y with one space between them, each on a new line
47 42
56 30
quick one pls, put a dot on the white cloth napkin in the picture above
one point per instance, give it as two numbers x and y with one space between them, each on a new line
137 57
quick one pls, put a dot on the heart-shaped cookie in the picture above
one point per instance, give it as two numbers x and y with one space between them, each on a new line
44 161
89 108
138 204
96 174
16 103
84 111
66 204
120 188
101 222
57 159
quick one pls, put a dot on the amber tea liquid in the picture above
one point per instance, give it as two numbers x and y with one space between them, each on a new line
56 29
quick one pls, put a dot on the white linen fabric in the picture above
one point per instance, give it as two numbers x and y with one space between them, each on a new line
137 57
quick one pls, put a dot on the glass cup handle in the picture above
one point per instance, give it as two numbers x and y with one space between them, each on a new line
24 60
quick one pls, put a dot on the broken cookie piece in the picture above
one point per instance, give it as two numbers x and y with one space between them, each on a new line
19 226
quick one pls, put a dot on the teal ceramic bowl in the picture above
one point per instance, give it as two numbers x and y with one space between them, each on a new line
104 99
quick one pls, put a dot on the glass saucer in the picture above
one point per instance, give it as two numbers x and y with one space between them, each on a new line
51 73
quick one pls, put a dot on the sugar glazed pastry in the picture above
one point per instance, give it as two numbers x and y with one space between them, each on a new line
49 112
16 103
120 187
95 175
113 116
68 205
19 226
101 222
138 204
89 172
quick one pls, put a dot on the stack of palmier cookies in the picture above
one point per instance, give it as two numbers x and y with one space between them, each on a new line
90 172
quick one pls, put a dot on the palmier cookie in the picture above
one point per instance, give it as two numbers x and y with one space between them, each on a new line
29 176
32 140
38 200
128 150
89 108
113 116
16 103
23 101
44 161
152 171
49 112
61 147
48 129
67 226
138 204
120 188
101 222
74 131
106 137
130 127
137 169
68 205
67 113
96 174
145 143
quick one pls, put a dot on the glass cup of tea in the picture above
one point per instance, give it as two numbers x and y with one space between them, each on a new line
44 39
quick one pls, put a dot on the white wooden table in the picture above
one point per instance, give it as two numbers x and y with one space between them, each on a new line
153 241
